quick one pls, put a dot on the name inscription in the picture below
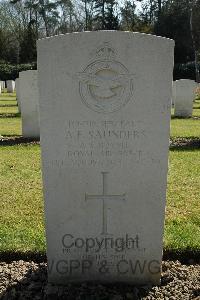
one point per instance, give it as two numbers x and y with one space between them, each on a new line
101 143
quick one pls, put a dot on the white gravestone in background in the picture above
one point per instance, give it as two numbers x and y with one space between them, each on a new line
173 92
185 93
2 85
1 88
105 100
10 86
29 101
18 93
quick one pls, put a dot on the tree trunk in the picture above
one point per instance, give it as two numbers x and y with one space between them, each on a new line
194 46
86 16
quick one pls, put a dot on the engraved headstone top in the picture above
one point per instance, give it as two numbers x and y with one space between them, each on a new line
105 84
105 100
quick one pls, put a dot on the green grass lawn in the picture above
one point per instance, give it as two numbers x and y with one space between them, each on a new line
21 210
21 199
185 128
8 110
8 95
8 103
21 206
10 126
182 228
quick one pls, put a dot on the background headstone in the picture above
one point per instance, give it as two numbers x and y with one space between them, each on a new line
173 92
18 93
1 87
105 101
10 86
185 93
2 83
29 98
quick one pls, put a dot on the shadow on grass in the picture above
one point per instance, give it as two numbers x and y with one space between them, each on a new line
181 143
8 105
17 140
9 256
11 115
185 118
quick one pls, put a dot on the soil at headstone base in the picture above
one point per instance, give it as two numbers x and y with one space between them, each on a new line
21 280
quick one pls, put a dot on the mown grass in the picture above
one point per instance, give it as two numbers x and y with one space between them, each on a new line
8 95
21 206
8 110
10 126
21 212
5 103
185 128
21 199
182 228
196 108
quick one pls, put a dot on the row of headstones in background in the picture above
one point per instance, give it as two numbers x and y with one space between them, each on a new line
2 86
17 94
183 94
28 100
105 101
10 86
104 105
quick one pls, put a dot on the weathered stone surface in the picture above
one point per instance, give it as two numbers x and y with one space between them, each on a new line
10 86
29 97
105 100
18 93
184 96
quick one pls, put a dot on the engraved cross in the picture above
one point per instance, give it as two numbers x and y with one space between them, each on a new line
105 197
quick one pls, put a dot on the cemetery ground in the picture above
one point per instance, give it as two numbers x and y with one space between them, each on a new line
22 227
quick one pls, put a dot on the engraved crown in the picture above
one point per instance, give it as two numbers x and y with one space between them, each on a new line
105 51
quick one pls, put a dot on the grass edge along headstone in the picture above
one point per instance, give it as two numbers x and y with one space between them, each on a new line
105 100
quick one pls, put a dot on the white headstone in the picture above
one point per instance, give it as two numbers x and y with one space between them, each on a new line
29 98
105 100
1 86
173 92
10 86
18 93
2 83
185 93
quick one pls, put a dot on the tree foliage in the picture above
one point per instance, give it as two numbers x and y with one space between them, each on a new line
9 71
22 22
